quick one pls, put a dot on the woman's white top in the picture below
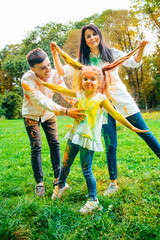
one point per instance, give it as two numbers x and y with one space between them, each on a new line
87 134
121 98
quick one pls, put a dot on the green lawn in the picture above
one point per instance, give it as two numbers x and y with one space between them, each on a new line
132 213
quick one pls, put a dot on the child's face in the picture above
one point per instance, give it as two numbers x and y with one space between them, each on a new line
90 81
92 38
43 70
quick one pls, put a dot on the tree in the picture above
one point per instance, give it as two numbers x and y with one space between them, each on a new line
149 9
6 82
42 36
120 29
85 21
12 105
12 67
15 66
13 62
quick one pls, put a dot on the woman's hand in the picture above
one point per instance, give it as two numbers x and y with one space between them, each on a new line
134 129
142 44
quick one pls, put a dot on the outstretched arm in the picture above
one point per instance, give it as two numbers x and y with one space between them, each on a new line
47 103
56 59
138 56
117 116
59 89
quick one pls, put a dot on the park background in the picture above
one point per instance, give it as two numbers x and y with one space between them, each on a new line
133 213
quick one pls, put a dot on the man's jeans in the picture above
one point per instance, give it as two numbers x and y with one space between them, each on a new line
50 129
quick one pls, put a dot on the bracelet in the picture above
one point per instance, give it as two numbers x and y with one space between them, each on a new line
66 110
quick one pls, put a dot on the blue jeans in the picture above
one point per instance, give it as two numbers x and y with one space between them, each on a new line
110 138
86 158
50 129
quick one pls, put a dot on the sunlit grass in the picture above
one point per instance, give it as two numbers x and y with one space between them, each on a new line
132 213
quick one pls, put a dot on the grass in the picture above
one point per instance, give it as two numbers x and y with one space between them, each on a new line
132 213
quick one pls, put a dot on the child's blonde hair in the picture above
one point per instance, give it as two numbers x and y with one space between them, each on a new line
102 80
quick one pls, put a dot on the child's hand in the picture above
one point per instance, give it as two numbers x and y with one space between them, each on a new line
134 129
53 46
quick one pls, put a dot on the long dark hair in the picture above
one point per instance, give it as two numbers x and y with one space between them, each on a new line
84 50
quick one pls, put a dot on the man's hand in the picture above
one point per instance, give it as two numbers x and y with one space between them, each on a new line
76 113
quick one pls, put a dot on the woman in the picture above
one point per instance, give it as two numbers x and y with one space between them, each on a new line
93 51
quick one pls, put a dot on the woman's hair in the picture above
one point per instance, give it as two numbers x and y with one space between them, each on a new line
84 50
36 56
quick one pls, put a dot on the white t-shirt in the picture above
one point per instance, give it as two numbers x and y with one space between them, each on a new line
37 100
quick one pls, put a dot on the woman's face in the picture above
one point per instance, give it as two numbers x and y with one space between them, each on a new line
92 38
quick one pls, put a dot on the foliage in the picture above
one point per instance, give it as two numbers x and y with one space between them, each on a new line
12 105
12 67
151 9
121 29
85 21
15 66
42 36
13 57
2 111
131 213
6 82
156 72
9 50
72 43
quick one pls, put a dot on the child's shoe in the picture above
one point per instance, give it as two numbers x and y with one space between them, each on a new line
58 192
111 189
90 206
40 189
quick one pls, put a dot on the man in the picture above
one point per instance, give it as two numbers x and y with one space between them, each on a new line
39 108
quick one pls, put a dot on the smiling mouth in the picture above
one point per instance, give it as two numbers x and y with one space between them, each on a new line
48 74
94 42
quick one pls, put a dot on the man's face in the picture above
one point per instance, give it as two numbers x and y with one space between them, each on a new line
43 70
